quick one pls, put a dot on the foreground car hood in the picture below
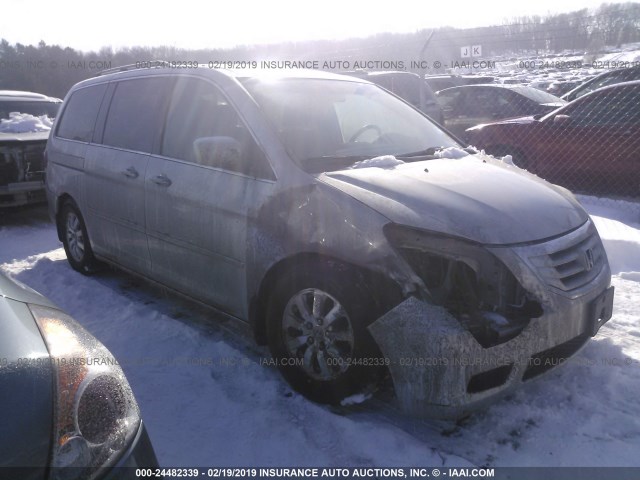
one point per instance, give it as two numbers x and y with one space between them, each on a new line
474 198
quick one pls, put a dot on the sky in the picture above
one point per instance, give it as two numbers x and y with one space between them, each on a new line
223 24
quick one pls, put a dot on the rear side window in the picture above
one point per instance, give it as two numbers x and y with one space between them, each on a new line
79 115
136 112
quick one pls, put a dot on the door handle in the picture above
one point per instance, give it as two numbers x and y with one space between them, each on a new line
161 180
130 172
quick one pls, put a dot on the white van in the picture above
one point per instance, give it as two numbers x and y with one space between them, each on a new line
356 237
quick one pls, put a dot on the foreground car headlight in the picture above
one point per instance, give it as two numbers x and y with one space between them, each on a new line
95 413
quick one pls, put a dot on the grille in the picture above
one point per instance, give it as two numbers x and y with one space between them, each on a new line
22 162
572 262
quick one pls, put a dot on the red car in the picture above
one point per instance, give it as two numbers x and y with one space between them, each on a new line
591 145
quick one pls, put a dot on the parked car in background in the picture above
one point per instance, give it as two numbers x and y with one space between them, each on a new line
408 86
25 122
512 81
66 408
470 105
541 84
344 227
559 88
608 77
591 145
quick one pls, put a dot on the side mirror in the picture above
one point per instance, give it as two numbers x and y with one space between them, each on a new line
221 152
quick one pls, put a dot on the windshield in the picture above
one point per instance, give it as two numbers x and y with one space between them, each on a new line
331 124
537 96
37 109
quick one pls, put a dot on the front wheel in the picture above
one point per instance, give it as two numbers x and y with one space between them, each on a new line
318 337
76 241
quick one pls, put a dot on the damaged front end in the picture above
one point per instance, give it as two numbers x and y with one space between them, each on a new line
470 282
489 317
22 168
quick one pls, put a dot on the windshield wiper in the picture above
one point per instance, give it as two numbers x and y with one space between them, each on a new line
431 152
327 163
420 153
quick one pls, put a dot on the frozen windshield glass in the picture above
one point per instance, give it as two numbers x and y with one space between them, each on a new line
330 124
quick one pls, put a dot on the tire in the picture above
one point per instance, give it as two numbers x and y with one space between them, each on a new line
76 240
317 318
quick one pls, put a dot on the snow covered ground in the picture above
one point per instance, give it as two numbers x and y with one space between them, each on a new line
207 399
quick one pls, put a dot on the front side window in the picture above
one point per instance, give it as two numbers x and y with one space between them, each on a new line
488 103
202 127
450 100
330 124
79 117
538 96
135 114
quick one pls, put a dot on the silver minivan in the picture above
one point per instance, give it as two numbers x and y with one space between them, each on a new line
358 240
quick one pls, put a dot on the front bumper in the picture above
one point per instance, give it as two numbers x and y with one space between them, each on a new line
439 369
22 193
139 455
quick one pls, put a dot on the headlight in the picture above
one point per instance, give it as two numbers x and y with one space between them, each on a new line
95 413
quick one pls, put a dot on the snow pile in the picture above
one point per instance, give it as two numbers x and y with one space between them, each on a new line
384 161
617 224
24 123
451 152
508 159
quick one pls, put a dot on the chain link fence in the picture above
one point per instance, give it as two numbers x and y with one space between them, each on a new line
588 140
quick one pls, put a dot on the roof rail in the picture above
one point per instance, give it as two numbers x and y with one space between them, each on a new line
133 66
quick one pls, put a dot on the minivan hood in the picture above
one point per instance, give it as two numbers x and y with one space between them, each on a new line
476 198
